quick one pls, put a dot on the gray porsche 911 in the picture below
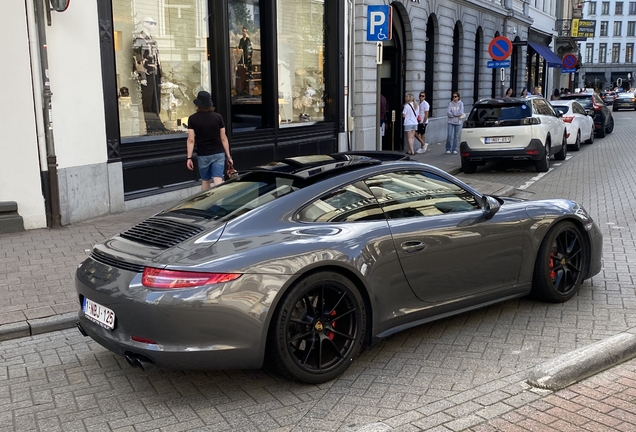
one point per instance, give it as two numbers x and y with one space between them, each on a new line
301 263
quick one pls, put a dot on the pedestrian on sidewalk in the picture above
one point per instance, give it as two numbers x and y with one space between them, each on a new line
524 92
206 129
422 122
409 114
510 93
455 114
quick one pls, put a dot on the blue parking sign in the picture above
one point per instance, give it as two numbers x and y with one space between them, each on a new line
379 20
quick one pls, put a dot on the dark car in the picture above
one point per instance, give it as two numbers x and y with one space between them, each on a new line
301 263
603 119
608 97
625 101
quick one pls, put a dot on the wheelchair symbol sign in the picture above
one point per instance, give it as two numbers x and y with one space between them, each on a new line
379 20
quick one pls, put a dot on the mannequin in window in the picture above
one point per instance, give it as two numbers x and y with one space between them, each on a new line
245 45
148 71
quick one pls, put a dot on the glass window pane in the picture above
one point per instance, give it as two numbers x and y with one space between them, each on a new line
245 65
161 62
301 44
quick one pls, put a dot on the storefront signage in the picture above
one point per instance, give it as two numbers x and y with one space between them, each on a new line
493 64
583 28
379 23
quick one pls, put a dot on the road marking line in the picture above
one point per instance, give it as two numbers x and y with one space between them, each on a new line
532 180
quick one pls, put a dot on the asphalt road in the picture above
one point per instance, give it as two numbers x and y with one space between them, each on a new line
468 371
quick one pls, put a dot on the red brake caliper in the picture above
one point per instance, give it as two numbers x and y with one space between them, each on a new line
330 335
552 272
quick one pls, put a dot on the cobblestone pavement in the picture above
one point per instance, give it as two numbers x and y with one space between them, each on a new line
462 373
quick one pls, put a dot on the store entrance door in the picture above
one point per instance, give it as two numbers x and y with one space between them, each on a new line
392 86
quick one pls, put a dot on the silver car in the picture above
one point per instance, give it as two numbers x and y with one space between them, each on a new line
300 264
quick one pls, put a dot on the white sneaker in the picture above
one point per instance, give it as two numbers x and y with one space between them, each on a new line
455 152
425 148
447 151
419 150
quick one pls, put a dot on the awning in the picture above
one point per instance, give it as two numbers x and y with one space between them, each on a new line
550 57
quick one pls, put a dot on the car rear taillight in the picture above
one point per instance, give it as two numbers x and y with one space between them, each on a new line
531 121
597 107
567 119
170 279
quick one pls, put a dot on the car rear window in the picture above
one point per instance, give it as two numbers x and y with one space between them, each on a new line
563 109
234 198
585 100
484 115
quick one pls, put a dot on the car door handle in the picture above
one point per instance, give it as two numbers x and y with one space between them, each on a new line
413 246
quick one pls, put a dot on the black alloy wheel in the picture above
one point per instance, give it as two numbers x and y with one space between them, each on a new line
319 328
561 264
562 154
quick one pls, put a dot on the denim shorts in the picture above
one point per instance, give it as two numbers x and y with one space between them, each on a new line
410 127
211 166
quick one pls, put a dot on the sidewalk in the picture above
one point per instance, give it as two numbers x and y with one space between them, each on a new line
37 267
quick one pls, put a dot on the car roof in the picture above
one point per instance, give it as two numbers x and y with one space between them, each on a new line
312 168
504 101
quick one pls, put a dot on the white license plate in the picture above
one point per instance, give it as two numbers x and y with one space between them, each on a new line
492 140
99 314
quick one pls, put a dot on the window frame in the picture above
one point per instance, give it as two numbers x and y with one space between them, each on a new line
602 52
629 52
604 28
618 28
616 52
591 9
618 8
589 53
605 8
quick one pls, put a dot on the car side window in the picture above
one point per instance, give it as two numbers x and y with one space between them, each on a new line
351 203
577 108
544 108
406 194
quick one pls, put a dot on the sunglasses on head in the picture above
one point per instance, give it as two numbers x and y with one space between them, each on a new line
455 96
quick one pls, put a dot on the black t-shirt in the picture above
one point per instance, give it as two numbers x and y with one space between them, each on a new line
207 137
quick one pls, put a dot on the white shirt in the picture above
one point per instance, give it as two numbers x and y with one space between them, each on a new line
409 114
423 108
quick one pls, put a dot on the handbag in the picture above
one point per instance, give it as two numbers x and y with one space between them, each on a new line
230 172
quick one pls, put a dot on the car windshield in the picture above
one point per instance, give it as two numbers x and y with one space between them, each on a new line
625 95
585 100
501 114
234 198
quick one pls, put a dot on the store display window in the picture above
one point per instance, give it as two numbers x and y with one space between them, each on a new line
161 63
246 78
301 42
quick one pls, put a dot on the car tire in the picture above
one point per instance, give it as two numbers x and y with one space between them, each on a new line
543 165
318 329
468 167
561 154
577 144
591 140
560 265
601 130
610 127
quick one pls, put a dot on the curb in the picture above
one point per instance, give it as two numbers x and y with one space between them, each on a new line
37 326
584 362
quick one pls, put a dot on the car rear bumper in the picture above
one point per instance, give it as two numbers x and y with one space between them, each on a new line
534 151
627 105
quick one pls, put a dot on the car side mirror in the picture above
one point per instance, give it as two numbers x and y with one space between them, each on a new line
559 114
489 206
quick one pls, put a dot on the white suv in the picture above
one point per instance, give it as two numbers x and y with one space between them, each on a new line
512 129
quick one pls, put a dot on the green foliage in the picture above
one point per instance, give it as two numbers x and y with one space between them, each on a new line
240 16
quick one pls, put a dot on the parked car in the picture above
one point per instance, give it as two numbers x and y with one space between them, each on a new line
579 123
603 119
303 262
625 100
608 97
512 129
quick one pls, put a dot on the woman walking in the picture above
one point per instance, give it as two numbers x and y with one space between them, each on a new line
206 129
455 114
410 121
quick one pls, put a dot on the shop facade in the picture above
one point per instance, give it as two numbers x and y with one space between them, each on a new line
272 67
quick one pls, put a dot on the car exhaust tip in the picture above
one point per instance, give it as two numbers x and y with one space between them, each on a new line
138 361
81 329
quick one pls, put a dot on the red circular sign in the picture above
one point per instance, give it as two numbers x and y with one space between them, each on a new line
500 48
570 61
